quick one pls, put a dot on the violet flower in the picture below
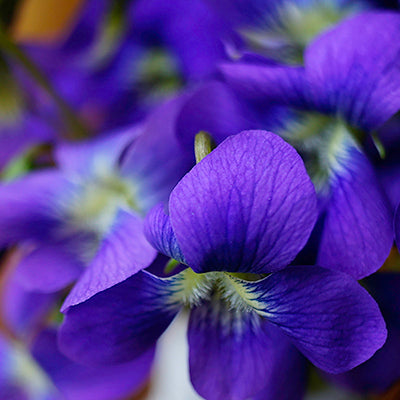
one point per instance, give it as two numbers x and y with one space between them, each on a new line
241 213
95 200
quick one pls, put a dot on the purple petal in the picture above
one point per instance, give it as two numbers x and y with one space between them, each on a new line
48 269
194 40
397 226
24 312
377 374
123 252
282 85
91 156
350 71
356 70
29 207
156 175
382 371
230 353
213 108
357 234
159 233
289 366
76 381
331 319
249 206
120 323
389 176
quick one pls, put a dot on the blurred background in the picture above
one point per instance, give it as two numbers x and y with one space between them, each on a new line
75 69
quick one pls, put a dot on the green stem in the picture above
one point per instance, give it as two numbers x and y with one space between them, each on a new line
8 46
203 145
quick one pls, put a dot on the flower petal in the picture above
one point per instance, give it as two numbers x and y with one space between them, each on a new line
289 366
331 319
120 323
349 70
213 108
124 252
48 269
357 70
155 176
29 207
22 311
159 233
357 234
77 381
249 206
94 156
397 226
230 353
382 371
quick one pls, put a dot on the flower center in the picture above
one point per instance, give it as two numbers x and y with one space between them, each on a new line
192 289
95 202
157 74
292 27
322 141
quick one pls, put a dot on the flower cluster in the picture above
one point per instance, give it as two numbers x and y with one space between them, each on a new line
234 162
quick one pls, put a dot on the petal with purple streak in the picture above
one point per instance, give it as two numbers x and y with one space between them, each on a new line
160 234
230 352
331 319
120 323
249 206
357 234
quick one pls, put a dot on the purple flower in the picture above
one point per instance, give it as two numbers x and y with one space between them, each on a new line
241 213
346 90
80 214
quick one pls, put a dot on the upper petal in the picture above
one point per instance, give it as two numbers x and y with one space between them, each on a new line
356 67
248 206
350 70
